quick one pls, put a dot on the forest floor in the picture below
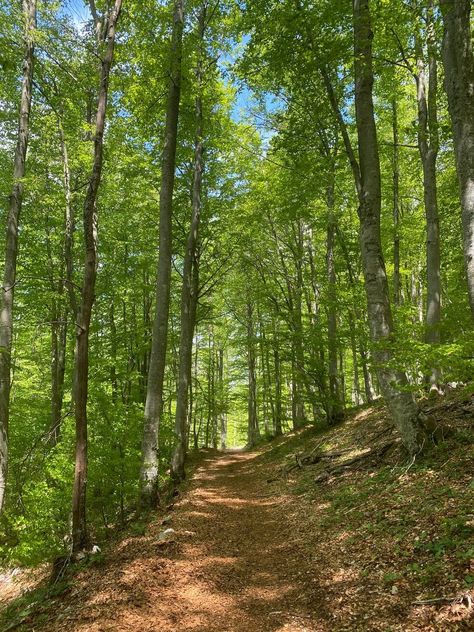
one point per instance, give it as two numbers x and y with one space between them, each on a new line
259 546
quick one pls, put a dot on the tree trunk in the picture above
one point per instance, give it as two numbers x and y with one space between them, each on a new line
222 406
210 390
368 387
68 223
81 353
188 300
393 382
58 367
113 353
11 242
276 361
396 206
334 409
356 398
253 432
268 379
60 313
58 319
194 386
458 58
156 373
428 144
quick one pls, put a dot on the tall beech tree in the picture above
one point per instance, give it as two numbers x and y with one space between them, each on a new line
428 145
156 369
90 218
11 243
458 59
393 382
312 182
190 287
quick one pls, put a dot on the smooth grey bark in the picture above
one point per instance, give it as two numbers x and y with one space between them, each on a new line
147 329
188 298
68 223
191 395
210 389
277 367
293 299
428 145
396 205
58 319
11 240
393 382
113 353
354 317
368 387
156 371
60 313
304 383
317 348
215 396
222 403
264 377
267 373
356 396
58 368
81 351
458 60
253 431
342 376
334 410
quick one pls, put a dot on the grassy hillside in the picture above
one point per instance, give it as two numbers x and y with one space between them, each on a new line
385 532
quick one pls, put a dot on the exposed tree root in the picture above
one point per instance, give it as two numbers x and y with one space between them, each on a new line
342 467
299 461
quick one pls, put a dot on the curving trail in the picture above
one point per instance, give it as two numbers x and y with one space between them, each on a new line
232 567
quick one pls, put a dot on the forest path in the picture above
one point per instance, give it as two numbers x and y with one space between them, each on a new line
233 566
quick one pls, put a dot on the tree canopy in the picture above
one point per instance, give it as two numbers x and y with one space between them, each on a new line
224 220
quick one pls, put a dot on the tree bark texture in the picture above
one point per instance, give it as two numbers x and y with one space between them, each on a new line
393 382
156 371
11 241
81 352
253 433
428 145
458 59
188 300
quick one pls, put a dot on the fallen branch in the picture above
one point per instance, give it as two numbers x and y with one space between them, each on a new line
315 456
341 467
463 599
309 459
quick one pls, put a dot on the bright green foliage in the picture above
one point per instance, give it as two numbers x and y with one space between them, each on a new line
272 150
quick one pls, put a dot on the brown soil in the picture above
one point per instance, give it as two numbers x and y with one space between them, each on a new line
232 567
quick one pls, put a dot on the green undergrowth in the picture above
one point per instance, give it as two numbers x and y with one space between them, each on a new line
414 517
38 603
32 603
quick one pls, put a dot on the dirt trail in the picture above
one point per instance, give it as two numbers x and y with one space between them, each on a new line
233 566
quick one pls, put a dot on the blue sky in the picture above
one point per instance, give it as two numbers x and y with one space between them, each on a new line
79 12
77 9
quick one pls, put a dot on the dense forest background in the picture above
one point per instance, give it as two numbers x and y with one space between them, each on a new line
313 232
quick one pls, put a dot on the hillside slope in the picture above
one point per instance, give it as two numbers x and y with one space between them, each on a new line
257 545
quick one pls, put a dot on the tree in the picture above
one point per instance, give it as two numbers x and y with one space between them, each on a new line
458 59
11 242
428 145
156 369
81 352
190 276
393 382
